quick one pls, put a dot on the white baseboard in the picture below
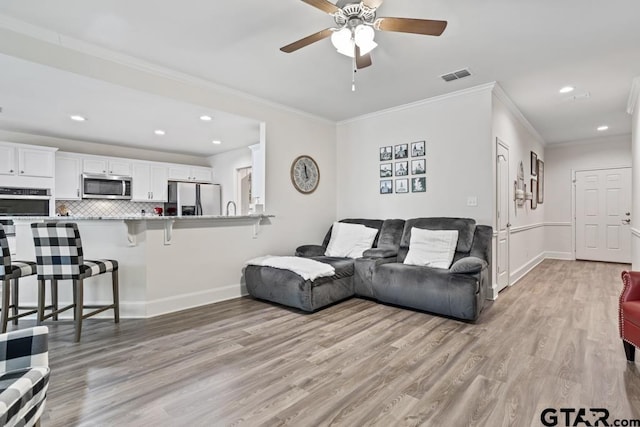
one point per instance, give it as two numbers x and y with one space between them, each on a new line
522 271
567 256
195 299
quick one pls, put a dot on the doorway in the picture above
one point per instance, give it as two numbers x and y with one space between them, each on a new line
603 215
502 207
243 188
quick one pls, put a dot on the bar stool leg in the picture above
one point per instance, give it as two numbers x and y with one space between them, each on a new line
79 302
54 297
41 295
116 297
5 305
14 300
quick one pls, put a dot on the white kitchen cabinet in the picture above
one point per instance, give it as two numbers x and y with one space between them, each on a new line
26 161
67 183
7 160
101 165
149 182
190 173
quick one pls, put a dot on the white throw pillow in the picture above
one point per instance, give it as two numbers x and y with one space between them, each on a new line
350 240
432 248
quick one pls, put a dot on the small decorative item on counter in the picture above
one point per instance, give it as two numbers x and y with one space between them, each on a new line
158 211
62 210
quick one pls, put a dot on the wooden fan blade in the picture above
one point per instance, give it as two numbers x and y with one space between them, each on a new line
373 4
427 27
323 5
362 61
307 41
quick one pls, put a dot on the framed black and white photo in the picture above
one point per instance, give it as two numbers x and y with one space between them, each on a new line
386 153
386 170
386 186
418 167
534 195
402 151
534 164
540 181
417 149
402 168
418 185
402 185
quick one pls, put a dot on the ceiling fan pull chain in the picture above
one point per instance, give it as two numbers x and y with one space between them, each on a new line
353 74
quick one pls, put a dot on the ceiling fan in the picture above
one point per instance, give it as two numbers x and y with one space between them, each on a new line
355 23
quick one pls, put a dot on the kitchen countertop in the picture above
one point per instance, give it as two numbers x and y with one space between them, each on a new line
137 217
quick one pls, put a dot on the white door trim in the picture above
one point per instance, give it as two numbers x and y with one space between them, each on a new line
505 146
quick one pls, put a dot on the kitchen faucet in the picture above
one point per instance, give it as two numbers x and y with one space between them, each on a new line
231 202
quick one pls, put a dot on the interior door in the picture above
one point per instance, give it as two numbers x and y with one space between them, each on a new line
502 249
603 215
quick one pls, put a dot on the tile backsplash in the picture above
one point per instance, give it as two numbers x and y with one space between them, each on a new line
106 207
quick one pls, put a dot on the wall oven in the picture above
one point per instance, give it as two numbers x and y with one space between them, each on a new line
22 202
106 187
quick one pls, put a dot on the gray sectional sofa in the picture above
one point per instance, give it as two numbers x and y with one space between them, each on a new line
381 275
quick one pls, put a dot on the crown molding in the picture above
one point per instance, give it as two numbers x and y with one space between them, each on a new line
86 48
634 96
499 92
475 89
610 139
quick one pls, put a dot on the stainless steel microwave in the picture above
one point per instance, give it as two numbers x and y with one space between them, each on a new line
106 187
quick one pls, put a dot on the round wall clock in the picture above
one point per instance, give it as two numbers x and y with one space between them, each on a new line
305 174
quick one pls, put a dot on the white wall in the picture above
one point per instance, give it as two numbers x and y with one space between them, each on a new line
526 240
224 172
457 131
288 135
562 161
634 110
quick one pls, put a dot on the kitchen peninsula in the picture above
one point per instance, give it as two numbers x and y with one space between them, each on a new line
166 263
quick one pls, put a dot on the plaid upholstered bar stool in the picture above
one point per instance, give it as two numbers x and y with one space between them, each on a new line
59 256
10 273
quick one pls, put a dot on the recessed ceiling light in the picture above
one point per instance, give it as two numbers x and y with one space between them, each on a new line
567 89
216 142
603 128
159 132
78 118
206 118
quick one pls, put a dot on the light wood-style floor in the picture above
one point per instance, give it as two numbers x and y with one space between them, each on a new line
549 341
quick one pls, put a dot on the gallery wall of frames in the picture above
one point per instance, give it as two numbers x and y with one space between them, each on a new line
403 168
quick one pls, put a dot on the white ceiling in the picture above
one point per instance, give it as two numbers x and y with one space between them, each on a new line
531 48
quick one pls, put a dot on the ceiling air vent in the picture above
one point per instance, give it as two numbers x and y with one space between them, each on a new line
449 77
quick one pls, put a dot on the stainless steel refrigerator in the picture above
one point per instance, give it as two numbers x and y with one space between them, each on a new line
188 198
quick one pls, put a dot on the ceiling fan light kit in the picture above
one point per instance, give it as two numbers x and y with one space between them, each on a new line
356 25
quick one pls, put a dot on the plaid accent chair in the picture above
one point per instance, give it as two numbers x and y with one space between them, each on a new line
10 272
24 376
59 256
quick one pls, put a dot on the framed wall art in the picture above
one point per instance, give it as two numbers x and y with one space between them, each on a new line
386 153
402 185
418 185
386 186
418 167
402 168
540 181
417 149
534 196
386 170
402 151
534 164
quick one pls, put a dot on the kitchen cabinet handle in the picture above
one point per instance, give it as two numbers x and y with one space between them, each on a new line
11 170
21 171
78 192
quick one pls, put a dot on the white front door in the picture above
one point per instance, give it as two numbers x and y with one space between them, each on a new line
502 248
603 215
